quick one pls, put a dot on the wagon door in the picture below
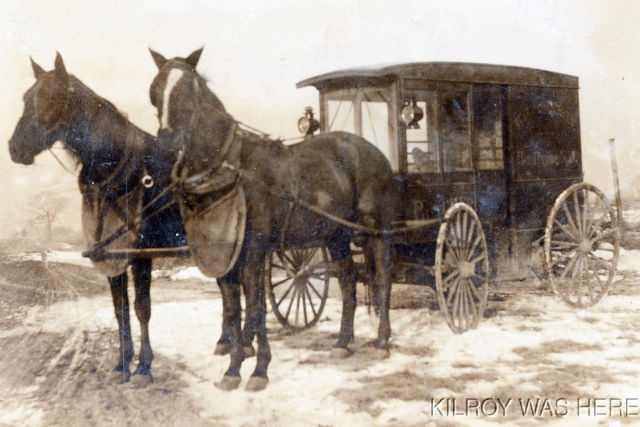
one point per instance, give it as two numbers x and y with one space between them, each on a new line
491 176
439 152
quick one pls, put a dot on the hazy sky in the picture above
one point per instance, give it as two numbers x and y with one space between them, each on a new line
255 52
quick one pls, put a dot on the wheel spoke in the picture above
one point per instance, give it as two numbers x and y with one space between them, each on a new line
475 243
576 205
451 252
570 221
292 264
602 235
564 229
284 296
564 256
474 291
472 303
304 304
464 243
315 291
293 296
586 218
456 300
297 303
279 282
278 266
460 303
480 257
563 244
451 276
452 290
310 299
606 264
569 265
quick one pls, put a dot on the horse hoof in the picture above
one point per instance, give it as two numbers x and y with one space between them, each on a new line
141 380
256 384
222 349
119 377
249 351
340 353
382 353
228 383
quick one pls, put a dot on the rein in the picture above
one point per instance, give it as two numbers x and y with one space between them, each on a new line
227 173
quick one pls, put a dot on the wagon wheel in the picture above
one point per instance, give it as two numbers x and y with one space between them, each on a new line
581 245
462 268
298 284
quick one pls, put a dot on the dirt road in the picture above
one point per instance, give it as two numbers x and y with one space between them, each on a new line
531 354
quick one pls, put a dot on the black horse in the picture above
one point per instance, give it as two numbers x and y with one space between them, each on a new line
116 157
314 192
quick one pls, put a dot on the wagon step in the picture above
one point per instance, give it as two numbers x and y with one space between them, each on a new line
180 251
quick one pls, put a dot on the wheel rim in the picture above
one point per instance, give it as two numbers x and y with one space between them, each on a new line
582 242
298 284
462 268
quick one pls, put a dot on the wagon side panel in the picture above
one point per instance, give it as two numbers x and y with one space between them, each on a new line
545 157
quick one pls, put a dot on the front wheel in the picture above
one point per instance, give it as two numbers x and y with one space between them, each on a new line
297 285
462 268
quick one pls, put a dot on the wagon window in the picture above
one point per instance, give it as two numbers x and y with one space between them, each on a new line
422 145
341 115
454 131
366 112
374 111
487 108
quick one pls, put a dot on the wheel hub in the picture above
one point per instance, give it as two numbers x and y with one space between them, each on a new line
299 281
466 269
584 246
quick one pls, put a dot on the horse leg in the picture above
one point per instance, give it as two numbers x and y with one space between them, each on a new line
347 279
141 268
380 249
120 298
233 318
253 275
223 346
248 332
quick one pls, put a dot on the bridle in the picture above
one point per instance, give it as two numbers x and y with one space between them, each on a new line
224 174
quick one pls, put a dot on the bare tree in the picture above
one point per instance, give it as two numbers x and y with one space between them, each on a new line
46 209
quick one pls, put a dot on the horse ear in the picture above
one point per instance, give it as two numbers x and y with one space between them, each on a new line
37 70
194 57
157 58
60 69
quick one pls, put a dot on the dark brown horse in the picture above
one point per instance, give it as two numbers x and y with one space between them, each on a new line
115 157
338 175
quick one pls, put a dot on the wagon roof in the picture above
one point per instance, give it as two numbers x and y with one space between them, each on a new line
443 71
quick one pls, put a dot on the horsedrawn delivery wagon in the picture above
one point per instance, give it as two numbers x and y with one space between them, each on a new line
483 168
476 149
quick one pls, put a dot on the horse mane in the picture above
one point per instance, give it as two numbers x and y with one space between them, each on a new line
112 114
208 96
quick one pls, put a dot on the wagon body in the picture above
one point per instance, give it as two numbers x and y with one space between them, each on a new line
477 150
503 139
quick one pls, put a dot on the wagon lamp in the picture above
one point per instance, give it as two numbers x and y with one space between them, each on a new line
307 124
411 114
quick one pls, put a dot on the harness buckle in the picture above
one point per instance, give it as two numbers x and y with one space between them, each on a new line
147 181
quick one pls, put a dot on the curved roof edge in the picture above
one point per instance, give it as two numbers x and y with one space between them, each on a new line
445 71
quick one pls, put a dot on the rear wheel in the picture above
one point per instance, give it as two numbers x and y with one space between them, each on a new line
297 285
462 268
581 245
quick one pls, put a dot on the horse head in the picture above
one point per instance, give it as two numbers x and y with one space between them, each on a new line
45 106
190 115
